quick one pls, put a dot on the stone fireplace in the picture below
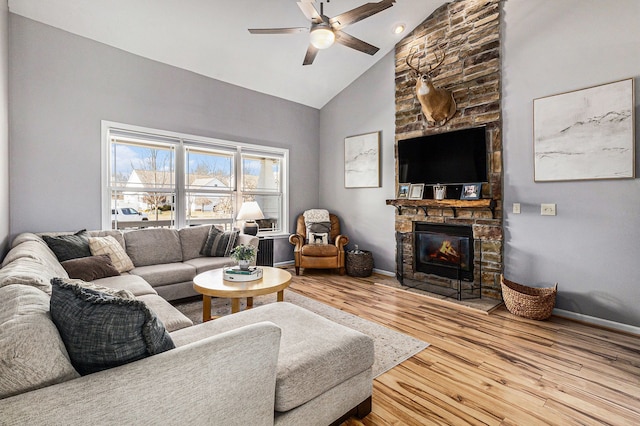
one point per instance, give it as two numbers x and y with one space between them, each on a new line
471 72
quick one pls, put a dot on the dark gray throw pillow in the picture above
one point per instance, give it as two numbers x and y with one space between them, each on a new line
319 228
68 247
219 243
102 331
90 268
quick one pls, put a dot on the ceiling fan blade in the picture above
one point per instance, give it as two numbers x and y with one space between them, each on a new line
359 13
294 30
355 43
310 11
310 55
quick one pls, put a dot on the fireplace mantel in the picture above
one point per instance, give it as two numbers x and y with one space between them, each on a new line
485 203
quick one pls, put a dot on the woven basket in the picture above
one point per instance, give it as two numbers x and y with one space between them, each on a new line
359 264
528 302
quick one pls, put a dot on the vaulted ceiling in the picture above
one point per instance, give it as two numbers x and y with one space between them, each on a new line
210 37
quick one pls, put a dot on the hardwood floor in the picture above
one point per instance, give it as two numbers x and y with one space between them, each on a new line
495 369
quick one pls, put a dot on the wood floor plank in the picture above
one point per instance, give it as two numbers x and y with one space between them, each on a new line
495 369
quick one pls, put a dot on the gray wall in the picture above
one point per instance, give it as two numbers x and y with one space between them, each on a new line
4 128
367 105
591 248
63 85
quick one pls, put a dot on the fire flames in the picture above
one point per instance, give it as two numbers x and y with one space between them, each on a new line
446 253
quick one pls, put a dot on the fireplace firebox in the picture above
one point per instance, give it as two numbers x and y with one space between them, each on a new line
443 250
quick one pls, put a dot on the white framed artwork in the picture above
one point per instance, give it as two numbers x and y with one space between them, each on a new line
362 161
585 134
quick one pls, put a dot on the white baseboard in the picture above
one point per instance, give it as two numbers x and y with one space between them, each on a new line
285 263
597 321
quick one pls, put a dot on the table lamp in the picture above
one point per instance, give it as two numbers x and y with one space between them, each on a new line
249 212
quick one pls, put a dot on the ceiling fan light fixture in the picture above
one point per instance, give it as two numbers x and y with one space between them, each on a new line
321 36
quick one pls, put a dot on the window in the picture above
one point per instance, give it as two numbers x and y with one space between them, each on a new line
155 178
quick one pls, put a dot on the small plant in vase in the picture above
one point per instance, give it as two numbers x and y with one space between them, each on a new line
244 255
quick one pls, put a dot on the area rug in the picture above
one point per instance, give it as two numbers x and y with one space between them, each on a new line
391 347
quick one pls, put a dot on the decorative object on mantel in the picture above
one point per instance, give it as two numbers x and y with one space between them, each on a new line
403 190
483 203
362 161
471 191
438 105
439 191
528 302
416 190
585 134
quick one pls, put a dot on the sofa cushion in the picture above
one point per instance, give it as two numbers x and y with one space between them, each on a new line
219 243
32 352
153 246
168 273
29 271
101 331
203 264
39 251
111 247
133 283
192 239
172 318
90 268
315 355
68 247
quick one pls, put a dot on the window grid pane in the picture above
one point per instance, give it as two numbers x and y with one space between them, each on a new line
261 173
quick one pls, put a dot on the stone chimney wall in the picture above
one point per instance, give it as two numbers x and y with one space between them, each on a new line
469 30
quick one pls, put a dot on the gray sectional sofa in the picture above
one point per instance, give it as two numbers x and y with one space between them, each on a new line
276 364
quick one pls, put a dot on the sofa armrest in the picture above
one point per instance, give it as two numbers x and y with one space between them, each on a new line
247 240
297 240
341 241
225 379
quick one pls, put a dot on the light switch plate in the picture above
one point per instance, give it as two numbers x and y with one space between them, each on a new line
516 208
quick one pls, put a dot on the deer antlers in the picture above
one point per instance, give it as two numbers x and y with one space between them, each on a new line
414 51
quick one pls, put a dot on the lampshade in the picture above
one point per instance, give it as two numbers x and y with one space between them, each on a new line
321 36
250 210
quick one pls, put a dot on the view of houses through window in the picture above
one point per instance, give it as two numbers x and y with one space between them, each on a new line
160 179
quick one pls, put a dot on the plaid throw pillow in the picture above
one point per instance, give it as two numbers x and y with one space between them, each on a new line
219 243
102 331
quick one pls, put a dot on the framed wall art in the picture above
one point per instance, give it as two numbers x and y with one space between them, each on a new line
362 161
416 191
403 190
585 134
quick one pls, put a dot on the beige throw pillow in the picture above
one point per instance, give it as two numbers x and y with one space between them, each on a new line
110 246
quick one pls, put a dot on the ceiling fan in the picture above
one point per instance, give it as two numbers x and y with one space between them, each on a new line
324 31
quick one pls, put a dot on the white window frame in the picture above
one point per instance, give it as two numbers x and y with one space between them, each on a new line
181 140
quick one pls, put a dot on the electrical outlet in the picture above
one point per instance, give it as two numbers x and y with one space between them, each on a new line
548 209
516 208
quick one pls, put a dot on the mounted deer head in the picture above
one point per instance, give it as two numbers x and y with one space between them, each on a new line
438 105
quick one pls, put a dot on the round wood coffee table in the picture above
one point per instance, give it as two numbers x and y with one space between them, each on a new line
211 283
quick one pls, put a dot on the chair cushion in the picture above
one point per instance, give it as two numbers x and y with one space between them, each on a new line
319 250
101 331
32 352
111 247
321 228
90 268
68 247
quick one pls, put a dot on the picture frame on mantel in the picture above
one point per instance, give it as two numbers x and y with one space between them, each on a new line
362 161
416 190
403 190
585 134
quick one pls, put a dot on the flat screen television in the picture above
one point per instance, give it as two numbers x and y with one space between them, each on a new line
450 158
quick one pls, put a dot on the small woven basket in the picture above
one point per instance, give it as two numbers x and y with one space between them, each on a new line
528 302
359 264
